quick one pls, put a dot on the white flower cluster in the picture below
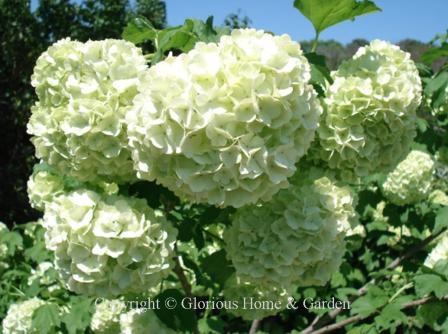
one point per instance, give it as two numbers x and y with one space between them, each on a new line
227 122
106 318
43 187
108 245
84 91
411 181
439 252
242 292
19 318
295 239
369 121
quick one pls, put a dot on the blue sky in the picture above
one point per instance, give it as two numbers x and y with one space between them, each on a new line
400 19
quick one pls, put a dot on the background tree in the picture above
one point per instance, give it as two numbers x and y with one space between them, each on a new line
25 33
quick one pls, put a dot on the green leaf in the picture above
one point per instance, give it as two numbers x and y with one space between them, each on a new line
428 283
205 31
390 317
441 220
320 74
139 30
46 318
212 325
368 304
181 38
217 266
435 53
433 313
77 320
326 13
179 318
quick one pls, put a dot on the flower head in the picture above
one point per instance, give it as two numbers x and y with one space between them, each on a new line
227 122
369 120
108 245
84 91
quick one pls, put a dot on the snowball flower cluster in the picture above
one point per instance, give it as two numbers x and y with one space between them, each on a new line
142 321
108 245
43 186
240 291
19 318
439 252
227 122
369 121
106 318
84 91
411 181
295 239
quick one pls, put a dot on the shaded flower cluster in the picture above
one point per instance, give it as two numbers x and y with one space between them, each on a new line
411 181
108 245
243 292
227 122
295 239
142 321
369 119
84 91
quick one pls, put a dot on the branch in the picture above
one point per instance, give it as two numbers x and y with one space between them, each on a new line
324 319
255 324
357 318
182 278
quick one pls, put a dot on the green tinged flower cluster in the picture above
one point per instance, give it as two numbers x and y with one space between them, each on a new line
411 181
369 119
244 293
84 91
295 239
19 318
108 245
142 321
43 187
106 318
225 123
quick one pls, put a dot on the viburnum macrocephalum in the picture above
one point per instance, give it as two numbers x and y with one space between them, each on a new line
411 181
295 239
84 91
225 123
108 245
19 318
369 120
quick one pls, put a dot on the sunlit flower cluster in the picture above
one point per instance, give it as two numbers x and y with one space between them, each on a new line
227 122
84 91
411 181
369 119
108 245
42 187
